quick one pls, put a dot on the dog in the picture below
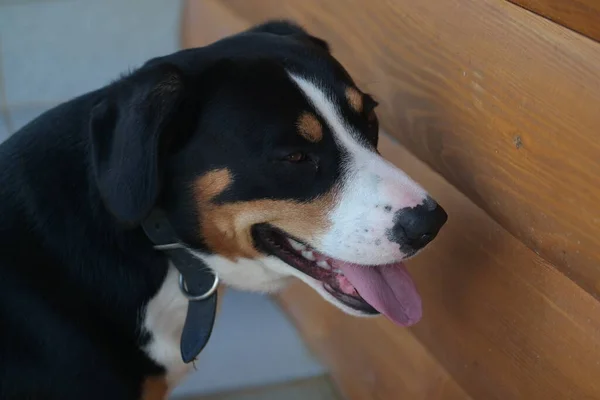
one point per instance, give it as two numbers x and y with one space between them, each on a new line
247 162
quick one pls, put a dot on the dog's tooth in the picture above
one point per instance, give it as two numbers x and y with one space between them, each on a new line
296 246
323 264
309 255
338 271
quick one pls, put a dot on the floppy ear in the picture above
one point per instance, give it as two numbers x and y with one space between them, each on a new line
289 28
127 131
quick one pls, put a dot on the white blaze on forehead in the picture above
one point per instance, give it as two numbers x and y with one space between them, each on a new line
324 105
373 190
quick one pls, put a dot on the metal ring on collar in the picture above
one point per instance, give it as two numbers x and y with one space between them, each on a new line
204 296
169 246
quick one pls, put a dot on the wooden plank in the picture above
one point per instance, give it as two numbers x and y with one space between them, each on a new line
582 16
500 322
364 376
368 360
503 322
207 21
504 103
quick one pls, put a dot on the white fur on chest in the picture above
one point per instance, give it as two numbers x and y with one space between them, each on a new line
164 319
165 313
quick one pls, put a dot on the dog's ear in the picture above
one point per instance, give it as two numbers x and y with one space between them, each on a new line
289 28
128 129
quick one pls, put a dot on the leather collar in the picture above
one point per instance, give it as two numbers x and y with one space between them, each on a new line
197 282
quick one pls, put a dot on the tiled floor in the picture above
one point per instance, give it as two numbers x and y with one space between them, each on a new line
53 50
319 388
252 344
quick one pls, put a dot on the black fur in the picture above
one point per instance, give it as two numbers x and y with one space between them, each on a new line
75 268
150 99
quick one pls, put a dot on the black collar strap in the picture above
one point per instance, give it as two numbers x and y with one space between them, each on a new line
196 281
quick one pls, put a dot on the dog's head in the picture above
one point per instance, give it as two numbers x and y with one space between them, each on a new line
262 151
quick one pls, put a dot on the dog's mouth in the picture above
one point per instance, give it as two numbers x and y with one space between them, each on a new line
367 289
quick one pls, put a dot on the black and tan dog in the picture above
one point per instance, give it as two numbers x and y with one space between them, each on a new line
255 157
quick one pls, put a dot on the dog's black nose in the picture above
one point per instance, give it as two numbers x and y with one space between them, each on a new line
415 227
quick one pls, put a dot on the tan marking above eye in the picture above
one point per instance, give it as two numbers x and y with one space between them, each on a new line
310 127
355 99
212 184
226 228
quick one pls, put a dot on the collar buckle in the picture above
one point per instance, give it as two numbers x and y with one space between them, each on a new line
194 276
200 297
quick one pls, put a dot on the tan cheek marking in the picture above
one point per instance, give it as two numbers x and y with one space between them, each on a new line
212 184
155 388
310 127
226 228
355 99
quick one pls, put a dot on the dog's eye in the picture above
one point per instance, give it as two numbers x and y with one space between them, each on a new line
373 123
372 117
296 157
372 127
370 105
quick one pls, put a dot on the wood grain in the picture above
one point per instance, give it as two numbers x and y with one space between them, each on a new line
206 21
582 16
501 321
504 103
368 360
513 125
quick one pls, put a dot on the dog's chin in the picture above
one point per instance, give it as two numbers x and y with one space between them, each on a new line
290 257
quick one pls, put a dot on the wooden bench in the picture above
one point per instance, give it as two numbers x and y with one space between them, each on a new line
496 111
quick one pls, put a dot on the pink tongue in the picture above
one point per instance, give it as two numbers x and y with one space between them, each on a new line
387 288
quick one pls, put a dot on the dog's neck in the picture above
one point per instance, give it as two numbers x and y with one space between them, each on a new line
163 319
197 282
